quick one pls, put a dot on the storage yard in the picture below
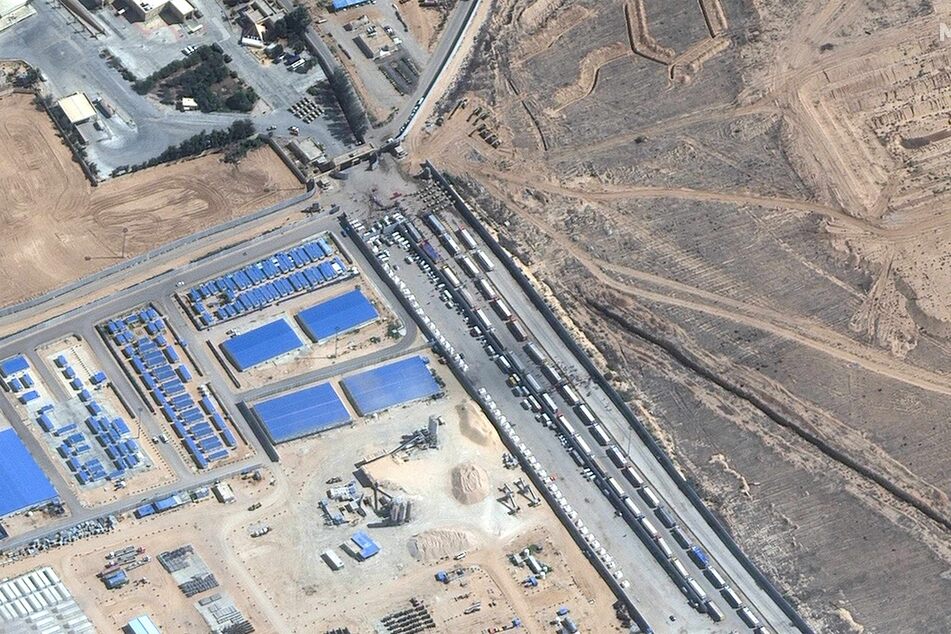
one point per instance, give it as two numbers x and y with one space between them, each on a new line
61 228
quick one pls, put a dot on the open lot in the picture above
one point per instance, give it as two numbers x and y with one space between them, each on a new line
60 228
741 231
448 516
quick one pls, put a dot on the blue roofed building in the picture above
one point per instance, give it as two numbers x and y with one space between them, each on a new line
340 5
298 414
23 484
367 547
261 344
337 315
391 384
13 365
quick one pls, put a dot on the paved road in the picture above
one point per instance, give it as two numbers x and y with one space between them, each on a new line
158 291
651 590
143 128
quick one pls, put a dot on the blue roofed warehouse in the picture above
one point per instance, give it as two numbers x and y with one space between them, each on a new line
22 483
302 413
261 344
337 315
388 385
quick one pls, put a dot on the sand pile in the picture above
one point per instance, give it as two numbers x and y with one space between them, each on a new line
470 483
474 427
438 543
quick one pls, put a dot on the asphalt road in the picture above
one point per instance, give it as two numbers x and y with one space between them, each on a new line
158 291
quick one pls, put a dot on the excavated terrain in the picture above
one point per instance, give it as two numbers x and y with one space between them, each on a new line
743 205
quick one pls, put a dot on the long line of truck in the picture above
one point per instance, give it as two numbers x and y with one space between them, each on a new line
542 401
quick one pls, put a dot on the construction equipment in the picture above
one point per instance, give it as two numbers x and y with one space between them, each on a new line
525 489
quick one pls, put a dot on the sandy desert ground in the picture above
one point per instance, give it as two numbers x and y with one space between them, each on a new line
743 207
59 228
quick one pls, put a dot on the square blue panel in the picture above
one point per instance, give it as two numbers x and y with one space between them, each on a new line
22 483
297 414
388 385
337 315
261 344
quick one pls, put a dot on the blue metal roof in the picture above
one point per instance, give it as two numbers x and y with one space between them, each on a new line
22 483
337 315
13 365
388 385
301 413
340 5
261 344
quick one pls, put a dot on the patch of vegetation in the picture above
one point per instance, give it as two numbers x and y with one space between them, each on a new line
292 28
204 76
349 102
238 151
237 138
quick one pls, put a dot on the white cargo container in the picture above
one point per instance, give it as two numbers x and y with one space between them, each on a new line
482 320
583 446
534 353
616 456
486 289
730 597
571 397
679 567
695 587
466 238
716 579
451 245
600 435
748 617
551 373
465 262
632 507
664 548
484 261
502 310
549 403
566 427
616 488
633 476
451 277
650 497
648 526
584 413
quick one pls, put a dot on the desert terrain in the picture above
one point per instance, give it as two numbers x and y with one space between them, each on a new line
60 228
742 205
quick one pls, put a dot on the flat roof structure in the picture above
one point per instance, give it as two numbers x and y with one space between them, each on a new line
365 543
38 601
22 483
77 108
141 625
340 5
388 385
302 413
13 365
261 344
337 315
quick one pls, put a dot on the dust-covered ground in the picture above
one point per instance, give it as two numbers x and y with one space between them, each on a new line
59 228
743 204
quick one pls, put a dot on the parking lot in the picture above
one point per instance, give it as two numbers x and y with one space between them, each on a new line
142 128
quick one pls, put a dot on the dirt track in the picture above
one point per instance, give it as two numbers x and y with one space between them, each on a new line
765 223
59 228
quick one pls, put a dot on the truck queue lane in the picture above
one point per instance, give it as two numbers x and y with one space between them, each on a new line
650 586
